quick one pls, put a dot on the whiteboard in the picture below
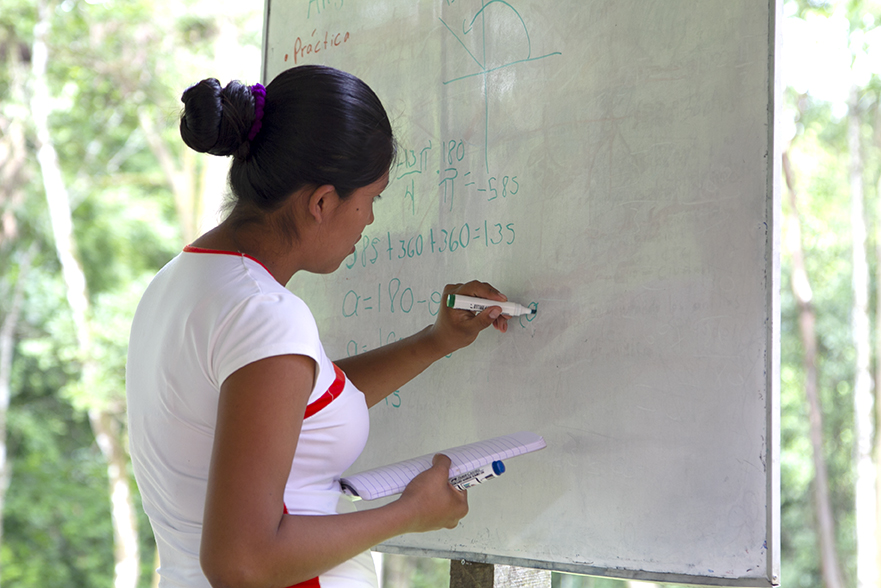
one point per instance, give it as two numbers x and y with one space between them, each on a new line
610 164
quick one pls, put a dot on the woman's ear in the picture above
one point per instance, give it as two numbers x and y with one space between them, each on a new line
322 201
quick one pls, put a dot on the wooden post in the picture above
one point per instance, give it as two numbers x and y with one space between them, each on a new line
466 574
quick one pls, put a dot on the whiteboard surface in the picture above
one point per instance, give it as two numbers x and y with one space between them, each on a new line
609 163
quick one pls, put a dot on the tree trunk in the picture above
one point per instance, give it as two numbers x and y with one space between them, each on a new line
109 439
198 182
13 146
7 345
867 568
877 442
801 288
182 181
108 434
13 156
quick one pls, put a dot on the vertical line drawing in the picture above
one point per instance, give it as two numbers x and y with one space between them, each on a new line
467 28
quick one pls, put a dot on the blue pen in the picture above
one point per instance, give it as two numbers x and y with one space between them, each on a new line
478 475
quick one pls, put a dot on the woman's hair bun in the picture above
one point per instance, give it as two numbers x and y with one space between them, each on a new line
216 120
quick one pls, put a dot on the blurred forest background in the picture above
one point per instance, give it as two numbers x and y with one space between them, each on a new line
97 193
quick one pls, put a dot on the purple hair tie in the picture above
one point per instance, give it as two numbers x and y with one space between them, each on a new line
259 93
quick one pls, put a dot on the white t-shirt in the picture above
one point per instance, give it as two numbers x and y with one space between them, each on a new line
204 316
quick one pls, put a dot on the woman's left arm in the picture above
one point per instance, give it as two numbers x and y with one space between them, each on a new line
379 372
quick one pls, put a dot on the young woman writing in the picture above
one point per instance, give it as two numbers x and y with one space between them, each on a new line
240 426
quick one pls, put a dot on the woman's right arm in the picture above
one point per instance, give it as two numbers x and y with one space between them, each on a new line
246 538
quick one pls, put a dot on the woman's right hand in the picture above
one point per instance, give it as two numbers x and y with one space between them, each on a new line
455 329
434 501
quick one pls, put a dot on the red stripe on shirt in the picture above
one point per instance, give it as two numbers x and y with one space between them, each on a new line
313 583
332 393
193 249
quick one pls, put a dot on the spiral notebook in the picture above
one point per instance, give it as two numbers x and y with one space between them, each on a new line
393 478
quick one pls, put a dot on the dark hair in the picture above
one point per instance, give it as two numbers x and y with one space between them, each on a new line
320 126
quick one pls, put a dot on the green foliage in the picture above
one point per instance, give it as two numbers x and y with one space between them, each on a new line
559 580
403 571
824 206
125 234
821 159
57 532
110 63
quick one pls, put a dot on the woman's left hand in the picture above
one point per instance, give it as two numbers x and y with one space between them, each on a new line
455 329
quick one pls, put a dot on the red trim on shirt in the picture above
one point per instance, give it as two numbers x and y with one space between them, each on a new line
313 583
335 389
194 249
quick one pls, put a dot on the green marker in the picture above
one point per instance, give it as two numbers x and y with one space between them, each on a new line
473 304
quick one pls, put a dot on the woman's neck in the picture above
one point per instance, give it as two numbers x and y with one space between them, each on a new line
256 242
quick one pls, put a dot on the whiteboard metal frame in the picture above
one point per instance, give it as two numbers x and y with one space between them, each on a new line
772 248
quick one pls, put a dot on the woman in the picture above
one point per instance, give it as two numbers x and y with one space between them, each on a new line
239 424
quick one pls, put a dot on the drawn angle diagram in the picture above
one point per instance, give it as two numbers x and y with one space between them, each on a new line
492 54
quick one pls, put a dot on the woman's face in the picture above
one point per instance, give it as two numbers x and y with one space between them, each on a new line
349 219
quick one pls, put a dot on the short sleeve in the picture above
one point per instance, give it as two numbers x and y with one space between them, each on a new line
261 326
